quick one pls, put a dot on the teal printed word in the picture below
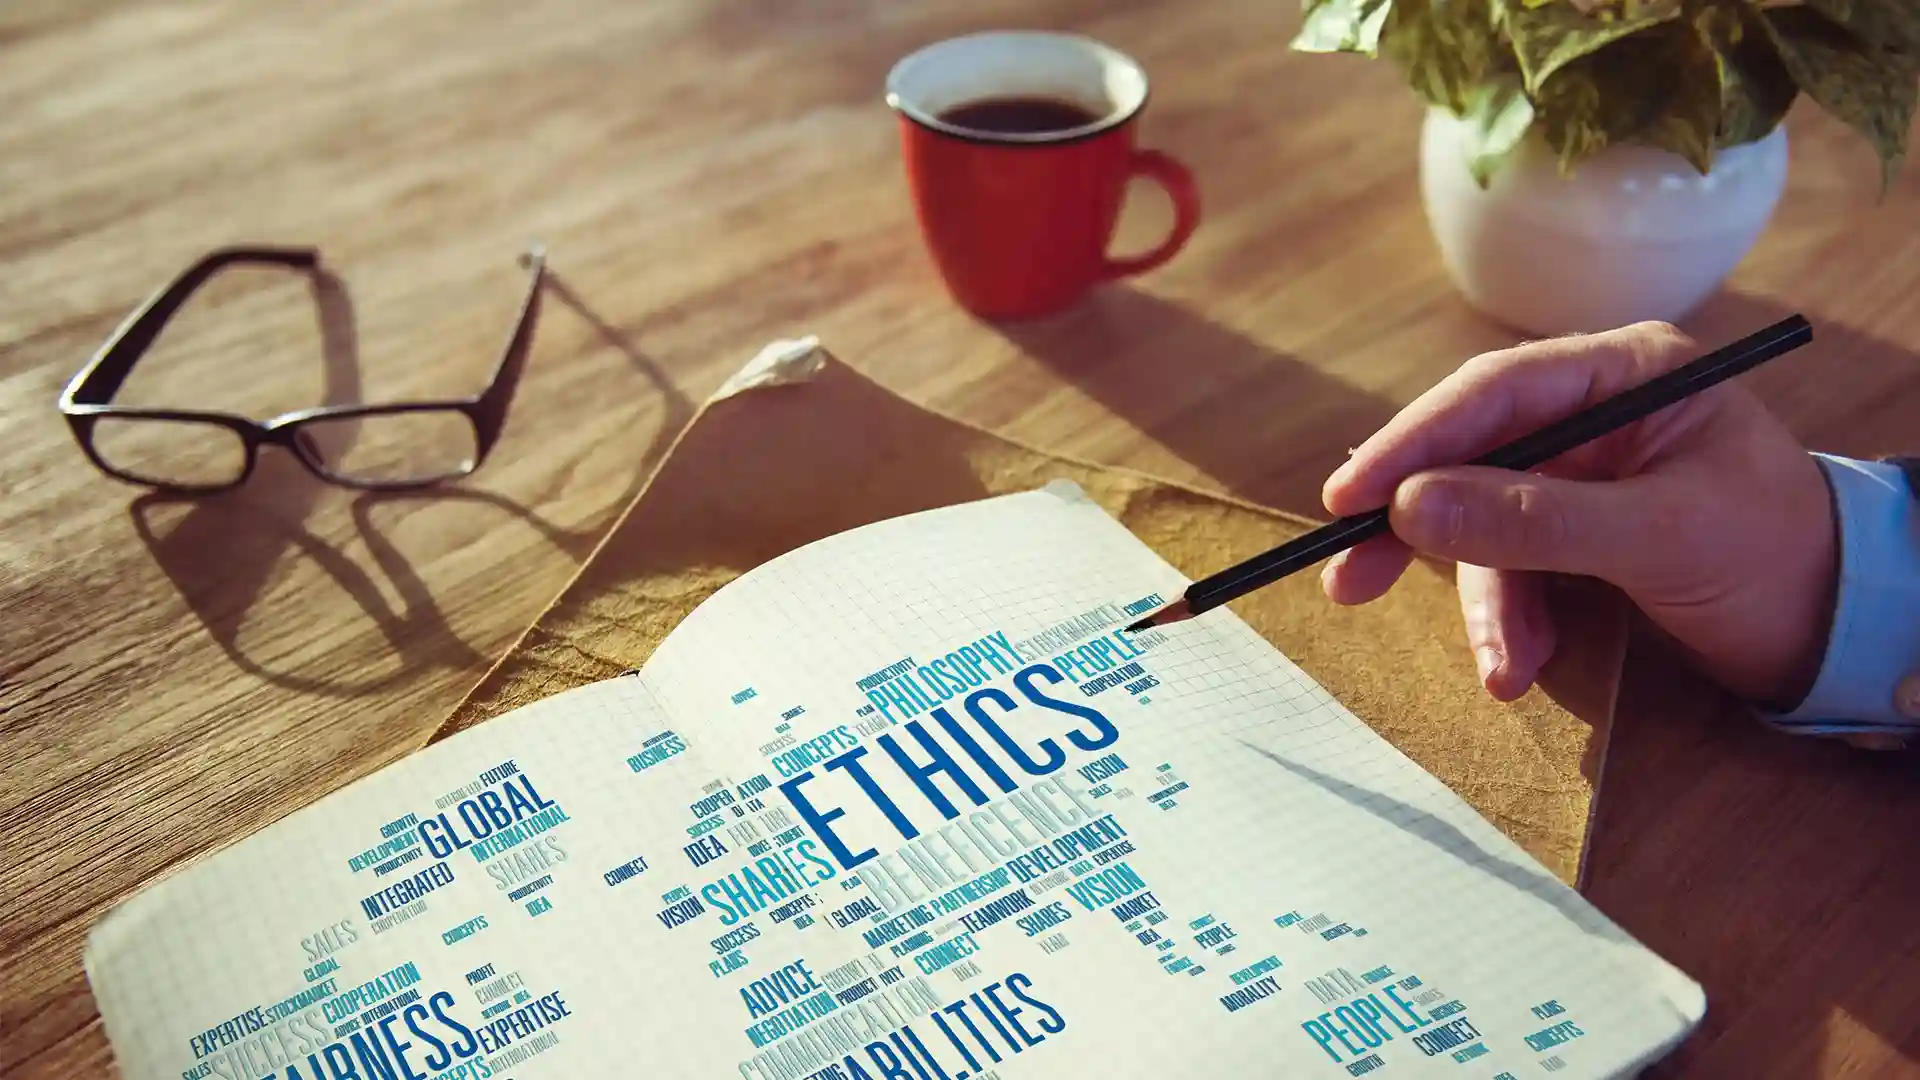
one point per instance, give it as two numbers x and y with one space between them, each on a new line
517 867
1261 988
788 983
1366 1019
1100 684
1106 886
911 919
948 952
385 850
1109 652
465 930
626 871
665 745
1136 907
406 891
767 881
1044 919
1446 1037
1255 970
422 1039
812 752
994 911
1559 1034
1102 768
329 940
984 707
481 816
853 913
943 679
681 911
733 939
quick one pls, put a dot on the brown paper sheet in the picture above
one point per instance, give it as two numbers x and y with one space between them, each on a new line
764 471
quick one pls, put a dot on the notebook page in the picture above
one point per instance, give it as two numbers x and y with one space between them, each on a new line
1241 877
1203 864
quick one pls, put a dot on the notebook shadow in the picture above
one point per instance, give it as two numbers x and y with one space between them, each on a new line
1265 426
223 552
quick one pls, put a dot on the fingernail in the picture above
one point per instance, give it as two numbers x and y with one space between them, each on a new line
1489 659
1331 569
1341 474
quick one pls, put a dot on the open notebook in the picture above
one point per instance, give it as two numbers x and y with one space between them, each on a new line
902 804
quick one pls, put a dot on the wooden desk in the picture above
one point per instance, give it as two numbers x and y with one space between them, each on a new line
708 176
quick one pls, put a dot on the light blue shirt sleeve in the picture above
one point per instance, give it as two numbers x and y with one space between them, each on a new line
1874 643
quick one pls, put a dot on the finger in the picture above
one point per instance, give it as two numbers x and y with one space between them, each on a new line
1497 397
1507 625
1520 521
1364 573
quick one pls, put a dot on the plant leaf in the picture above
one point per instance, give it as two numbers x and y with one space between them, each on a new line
1548 37
1872 90
1498 116
1883 24
1342 26
1688 118
1756 90
1642 89
1444 48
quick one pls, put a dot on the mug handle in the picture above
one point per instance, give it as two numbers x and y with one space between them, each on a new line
1179 186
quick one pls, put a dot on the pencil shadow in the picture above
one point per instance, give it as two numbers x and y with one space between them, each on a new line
1265 426
1448 838
224 551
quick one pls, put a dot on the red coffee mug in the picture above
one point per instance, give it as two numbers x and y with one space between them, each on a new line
1018 221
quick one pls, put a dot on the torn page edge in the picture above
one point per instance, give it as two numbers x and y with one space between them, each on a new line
779 364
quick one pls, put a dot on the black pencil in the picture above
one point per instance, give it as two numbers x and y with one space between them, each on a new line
1524 453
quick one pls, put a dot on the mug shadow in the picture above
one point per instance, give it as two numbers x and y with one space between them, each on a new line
1265 426
223 552
1769 867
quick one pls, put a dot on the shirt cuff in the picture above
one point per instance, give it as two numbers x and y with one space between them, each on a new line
1874 643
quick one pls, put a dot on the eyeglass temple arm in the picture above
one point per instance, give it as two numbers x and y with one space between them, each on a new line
490 409
101 378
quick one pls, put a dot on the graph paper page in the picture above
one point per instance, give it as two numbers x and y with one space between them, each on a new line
905 804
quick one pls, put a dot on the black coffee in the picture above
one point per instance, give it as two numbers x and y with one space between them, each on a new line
1019 115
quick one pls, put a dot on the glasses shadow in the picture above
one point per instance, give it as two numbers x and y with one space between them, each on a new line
223 552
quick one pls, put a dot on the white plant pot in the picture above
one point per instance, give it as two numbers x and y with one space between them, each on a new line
1635 233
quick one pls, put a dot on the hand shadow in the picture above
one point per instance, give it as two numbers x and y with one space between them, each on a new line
221 552
1772 868
1267 427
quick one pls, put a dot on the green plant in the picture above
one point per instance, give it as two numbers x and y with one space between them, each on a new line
1690 76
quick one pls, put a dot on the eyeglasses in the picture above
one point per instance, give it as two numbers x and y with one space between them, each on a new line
191 451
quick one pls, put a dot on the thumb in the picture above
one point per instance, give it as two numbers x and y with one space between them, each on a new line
1507 520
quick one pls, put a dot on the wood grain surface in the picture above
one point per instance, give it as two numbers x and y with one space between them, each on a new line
707 176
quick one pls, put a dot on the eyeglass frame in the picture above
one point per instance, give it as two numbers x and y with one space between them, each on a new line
88 396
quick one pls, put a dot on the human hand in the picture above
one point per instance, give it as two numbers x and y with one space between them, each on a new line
1709 515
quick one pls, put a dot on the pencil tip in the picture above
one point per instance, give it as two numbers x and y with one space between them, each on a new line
1172 613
